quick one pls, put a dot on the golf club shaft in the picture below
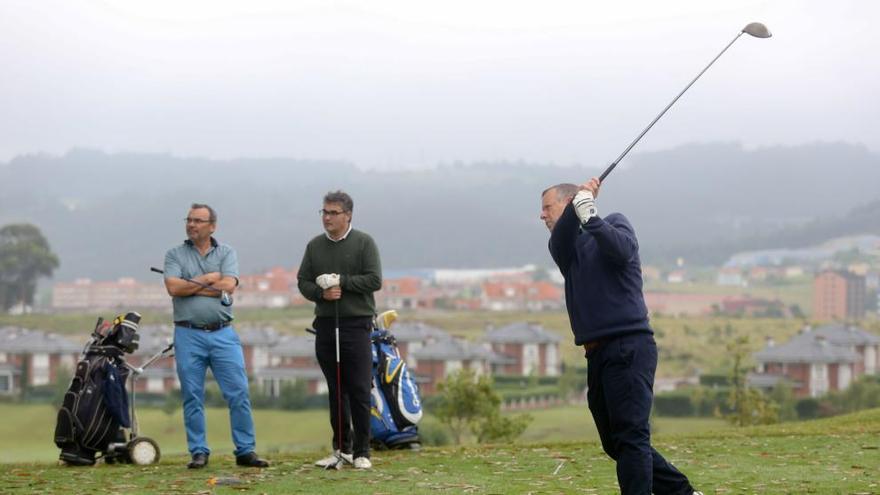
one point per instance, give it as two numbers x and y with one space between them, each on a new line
639 137
338 380
204 286
225 298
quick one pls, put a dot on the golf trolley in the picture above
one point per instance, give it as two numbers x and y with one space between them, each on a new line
97 420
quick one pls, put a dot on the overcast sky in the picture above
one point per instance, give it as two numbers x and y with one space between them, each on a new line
407 83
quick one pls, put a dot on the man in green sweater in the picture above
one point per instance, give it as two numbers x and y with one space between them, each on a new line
340 270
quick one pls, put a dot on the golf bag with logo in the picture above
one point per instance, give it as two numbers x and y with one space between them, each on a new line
96 403
395 406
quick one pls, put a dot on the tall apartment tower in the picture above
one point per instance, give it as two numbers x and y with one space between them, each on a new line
838 295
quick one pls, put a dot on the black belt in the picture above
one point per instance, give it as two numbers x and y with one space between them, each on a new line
591 346
208 328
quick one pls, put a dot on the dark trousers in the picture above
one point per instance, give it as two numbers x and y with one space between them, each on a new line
356 358
620 377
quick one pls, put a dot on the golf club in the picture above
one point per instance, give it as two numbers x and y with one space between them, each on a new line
755 29
339 460
225 297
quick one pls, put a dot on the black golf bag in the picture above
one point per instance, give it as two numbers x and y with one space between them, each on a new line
95 406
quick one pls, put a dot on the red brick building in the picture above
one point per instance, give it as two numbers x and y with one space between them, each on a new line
518 295
818 361
433 363
838 296
275 288
291 360
532 349
33 358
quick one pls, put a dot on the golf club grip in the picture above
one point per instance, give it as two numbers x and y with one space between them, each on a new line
606 172
154 269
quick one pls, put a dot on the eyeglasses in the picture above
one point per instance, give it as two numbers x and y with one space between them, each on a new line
330 213
197 221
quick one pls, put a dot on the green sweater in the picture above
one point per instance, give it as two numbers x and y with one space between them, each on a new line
356 260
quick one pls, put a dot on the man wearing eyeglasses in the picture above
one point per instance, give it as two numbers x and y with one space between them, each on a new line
204 337
340 271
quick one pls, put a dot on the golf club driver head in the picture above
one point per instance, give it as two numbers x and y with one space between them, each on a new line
757 30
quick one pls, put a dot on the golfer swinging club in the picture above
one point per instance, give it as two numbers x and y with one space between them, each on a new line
599 258
340 270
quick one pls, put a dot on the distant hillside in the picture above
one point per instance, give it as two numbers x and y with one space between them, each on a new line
110 215
859 221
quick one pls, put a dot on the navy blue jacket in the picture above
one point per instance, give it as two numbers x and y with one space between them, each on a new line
603 276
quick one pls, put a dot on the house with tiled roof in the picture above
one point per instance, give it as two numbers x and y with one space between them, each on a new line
33 358
858 340
256 341
812 363
532 349
432 363
291 360
416 335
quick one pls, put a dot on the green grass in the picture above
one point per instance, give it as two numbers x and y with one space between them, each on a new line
30 429
832 456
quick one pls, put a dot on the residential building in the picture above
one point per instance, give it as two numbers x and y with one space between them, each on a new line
531 349
406 293
256 342
413 336
518 295
275 288
671 303
122 294
433 363
866 345
838 295
291 360
34 358
811 362
731 276
752 307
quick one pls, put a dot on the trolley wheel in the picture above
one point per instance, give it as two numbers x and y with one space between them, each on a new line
143 451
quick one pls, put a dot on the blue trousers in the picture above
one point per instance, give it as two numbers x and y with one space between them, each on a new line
620 377
197 350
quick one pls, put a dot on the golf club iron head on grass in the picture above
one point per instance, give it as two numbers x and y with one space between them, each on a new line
755 29
225 297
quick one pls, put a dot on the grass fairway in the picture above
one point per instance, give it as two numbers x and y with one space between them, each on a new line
30 427
832 456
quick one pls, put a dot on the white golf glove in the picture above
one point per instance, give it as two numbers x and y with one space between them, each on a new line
327 280
585 205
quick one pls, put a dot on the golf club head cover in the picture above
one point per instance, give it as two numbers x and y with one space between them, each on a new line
327 280
585 205
124 333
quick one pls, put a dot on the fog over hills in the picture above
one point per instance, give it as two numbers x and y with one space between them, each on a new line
111 215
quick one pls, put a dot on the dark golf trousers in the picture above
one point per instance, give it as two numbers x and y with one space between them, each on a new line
356 364
620 377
